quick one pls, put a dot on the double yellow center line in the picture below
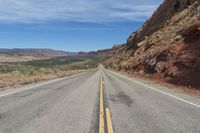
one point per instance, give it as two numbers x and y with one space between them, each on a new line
101 113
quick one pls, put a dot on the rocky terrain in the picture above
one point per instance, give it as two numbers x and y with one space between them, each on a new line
20 55
166 48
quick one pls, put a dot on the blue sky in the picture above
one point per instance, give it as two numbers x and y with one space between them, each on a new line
72 25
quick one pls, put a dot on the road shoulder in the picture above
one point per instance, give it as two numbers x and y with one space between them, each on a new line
10 91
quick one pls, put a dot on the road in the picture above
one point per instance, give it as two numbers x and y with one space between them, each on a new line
73 105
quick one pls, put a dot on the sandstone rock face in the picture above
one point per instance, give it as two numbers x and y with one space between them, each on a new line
159 18
167 47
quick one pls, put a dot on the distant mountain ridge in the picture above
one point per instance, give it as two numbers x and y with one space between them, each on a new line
36 52
26 54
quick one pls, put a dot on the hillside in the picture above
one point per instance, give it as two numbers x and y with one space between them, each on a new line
15 55
166 48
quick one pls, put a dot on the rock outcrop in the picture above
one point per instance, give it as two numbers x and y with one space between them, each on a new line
167 47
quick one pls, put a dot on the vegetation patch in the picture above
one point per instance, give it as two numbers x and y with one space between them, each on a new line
20 73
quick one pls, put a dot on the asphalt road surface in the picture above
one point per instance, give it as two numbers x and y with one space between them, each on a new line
72 105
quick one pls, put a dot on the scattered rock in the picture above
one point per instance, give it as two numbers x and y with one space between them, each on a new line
178 37
141 43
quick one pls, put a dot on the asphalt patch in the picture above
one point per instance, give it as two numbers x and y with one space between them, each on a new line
122 98
26 95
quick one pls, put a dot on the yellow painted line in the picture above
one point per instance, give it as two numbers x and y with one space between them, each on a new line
101 113
109 122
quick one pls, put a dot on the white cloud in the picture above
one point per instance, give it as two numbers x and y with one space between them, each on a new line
99 11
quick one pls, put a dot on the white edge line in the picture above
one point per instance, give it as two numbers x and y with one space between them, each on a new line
155 89
38 85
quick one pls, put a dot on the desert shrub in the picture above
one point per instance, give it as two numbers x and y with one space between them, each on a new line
16 73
